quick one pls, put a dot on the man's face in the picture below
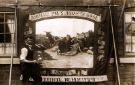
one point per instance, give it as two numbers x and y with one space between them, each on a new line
30 41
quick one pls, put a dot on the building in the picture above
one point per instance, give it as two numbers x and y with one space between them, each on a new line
113 36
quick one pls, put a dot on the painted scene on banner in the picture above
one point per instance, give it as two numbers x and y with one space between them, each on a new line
68 42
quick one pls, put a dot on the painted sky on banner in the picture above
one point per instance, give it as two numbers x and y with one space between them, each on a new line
63 26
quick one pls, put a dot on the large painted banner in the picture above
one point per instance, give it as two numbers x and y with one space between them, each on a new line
73 45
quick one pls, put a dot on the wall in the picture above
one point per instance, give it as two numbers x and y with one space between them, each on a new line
4 75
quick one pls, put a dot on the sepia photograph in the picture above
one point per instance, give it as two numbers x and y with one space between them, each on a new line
67 42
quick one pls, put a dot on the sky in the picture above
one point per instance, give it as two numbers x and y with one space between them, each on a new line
63 26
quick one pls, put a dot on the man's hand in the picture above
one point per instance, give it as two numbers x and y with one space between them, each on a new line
39 60
34 61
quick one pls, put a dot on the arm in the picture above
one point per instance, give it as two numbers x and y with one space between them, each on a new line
23 55
79 48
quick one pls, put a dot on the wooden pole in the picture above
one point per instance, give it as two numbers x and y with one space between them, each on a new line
114 46
123 7
12 51
42 5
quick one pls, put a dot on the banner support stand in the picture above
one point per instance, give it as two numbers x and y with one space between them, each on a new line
114 46
12 54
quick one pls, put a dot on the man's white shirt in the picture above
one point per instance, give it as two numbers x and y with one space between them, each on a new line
24 52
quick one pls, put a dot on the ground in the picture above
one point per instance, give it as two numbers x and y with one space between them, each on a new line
80 60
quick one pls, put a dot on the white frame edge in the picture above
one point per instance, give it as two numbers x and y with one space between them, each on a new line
17 60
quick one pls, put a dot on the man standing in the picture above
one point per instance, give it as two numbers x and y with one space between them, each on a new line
29 66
